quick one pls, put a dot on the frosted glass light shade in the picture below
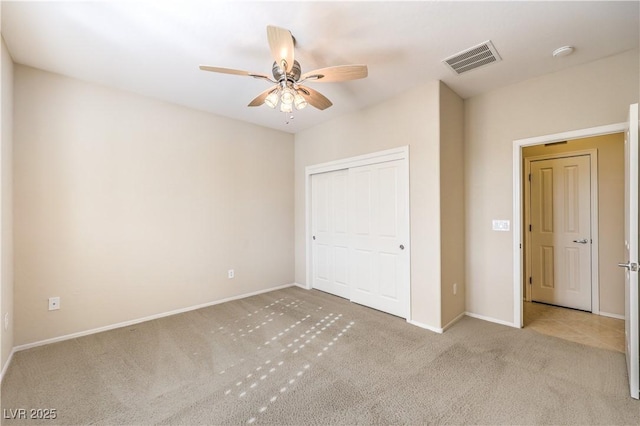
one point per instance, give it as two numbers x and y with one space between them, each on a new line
299 101
272 99
287 96
286 107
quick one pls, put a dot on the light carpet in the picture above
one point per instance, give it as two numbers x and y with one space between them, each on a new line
305 357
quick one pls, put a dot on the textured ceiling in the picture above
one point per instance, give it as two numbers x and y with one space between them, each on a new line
155 48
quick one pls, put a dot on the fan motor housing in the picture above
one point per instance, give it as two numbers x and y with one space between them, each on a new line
294 75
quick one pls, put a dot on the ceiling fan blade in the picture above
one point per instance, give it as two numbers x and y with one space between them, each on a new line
235 72
224 70
337 73
314 98
259 100
281 45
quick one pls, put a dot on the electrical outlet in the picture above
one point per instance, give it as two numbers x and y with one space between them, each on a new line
455 288
6 321
231 273
54 303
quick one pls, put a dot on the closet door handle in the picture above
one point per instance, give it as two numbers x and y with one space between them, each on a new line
583 241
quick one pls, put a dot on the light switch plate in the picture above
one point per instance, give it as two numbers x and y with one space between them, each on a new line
501 225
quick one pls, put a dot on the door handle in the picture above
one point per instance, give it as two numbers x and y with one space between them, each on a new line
632 266
401 246
582 241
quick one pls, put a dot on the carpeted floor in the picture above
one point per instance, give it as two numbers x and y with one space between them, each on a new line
304 357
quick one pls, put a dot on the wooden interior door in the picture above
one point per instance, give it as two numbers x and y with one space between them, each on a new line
561 232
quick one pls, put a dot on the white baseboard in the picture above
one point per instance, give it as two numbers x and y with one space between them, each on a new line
489 319
436 329
426 327
6 364
616 316
302 286
148 318
453 321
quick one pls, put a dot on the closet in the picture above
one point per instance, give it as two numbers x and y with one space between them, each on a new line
360 235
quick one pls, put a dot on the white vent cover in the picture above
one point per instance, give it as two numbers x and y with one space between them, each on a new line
472 58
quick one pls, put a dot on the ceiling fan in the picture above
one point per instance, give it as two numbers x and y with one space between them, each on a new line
288 78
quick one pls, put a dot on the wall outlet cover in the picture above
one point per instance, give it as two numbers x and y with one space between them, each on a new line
54 303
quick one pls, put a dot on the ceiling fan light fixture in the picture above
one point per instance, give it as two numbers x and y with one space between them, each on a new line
272 99
286 107
287 76
287 96
299 101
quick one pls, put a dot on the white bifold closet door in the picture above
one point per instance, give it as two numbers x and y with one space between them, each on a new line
360 229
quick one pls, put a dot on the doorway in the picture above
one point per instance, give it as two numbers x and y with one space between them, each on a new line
630 234
610 300
602 156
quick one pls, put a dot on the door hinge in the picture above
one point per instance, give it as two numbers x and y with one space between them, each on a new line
530 228
529 177
530 280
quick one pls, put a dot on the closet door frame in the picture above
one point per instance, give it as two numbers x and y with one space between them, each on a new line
400 153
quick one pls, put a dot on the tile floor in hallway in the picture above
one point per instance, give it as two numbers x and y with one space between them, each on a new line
576 326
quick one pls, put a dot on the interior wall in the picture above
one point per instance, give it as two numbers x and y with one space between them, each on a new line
594 94
127 207
6 207
610 212
451 204
409 119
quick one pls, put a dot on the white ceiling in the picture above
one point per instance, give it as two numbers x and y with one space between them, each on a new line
154 48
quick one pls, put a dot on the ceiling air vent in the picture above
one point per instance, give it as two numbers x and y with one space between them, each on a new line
472 58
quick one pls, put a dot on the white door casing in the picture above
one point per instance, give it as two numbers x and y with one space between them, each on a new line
631 229
561 236
329 228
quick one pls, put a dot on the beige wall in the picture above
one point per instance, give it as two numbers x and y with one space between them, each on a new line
594 94
412 119
127 207
451 203
610 211
6 209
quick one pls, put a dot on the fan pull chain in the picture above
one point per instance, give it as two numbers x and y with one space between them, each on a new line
288 119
